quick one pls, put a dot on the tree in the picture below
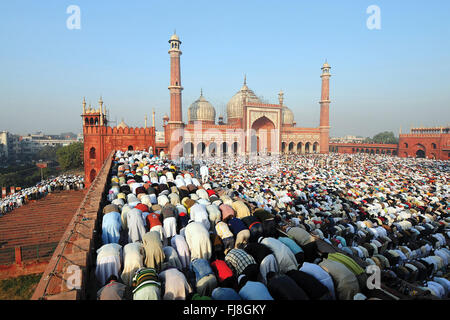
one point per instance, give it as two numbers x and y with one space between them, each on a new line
47 153
70 157
383 138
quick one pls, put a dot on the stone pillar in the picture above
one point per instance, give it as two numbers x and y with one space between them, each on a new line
18 254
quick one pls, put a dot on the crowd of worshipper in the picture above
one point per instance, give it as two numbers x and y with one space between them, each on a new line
40 190
293 227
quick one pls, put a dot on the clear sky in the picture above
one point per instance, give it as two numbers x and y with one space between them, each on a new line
382 79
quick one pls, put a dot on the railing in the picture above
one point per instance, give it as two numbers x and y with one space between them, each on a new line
38 251
7 256
32 252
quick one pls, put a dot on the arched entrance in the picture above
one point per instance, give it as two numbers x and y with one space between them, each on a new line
420 151
316 147
420 154
92 153
308 147
130 148
201 148
291 147
188 149
224 148
213 149
262 129
283 147
299 147
234 148
92 175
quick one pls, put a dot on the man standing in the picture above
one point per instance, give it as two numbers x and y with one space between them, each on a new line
204 172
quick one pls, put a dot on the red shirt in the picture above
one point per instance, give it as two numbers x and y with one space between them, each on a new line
142 207
221 269
153 220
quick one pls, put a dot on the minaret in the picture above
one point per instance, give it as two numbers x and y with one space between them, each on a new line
174 130
281 97
325 109
100 102
84 105
175 79
153 118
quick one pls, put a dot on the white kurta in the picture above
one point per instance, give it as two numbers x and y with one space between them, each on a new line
285 257
109 262
133 260
176 286
197 238
179 243
136 225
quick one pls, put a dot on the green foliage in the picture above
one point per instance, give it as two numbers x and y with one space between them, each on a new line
71 156
20 288
47 153
383 138
25 177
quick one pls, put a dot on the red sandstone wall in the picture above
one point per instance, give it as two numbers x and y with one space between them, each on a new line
106 139
435 146
351 148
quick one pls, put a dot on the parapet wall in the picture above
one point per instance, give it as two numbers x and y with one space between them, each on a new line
69 274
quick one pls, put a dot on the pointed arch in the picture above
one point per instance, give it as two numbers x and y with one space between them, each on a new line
92 154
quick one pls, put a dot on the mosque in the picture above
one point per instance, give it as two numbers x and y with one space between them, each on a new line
252 126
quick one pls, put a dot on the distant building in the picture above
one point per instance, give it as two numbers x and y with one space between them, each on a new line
34 142
347 139
431 143
9 144
15 147
3 144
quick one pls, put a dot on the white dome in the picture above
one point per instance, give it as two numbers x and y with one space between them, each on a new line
122 125
201 110
235 107
287 116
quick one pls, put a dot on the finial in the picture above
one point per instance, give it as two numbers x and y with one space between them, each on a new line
201 92
245 79
280 97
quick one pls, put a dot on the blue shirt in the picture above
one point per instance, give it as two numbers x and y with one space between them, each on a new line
254 290
111 225
220 293
291 244
236 225
201 268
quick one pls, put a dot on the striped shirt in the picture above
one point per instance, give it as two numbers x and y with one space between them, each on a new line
145 277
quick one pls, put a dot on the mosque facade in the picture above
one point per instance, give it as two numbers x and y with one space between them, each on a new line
252 127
